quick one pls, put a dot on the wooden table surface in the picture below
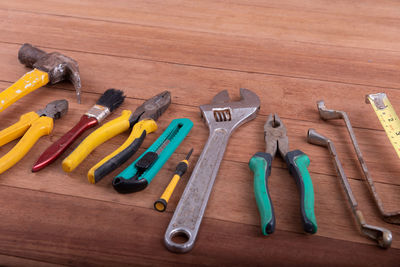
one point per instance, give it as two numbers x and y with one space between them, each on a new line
291 53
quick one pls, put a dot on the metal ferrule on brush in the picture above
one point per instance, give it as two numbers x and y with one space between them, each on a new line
98 112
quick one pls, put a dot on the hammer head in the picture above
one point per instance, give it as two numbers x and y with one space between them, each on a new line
58 66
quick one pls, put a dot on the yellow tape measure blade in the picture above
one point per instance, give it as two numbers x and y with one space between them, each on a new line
388 118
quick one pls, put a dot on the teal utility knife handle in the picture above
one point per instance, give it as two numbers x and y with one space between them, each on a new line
131 180
297 163
260 164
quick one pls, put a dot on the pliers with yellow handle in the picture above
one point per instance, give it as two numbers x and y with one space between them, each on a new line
31 126
142 122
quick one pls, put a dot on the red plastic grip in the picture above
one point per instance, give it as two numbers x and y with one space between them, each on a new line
57 148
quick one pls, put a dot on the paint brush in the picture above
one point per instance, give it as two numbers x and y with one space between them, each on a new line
107 103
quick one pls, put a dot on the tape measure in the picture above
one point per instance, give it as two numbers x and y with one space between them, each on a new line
388 118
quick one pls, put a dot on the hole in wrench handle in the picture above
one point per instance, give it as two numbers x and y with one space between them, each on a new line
190 210
183 247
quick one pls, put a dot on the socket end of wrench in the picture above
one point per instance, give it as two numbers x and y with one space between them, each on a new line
315 138
328 114
187 244
381 235
386 239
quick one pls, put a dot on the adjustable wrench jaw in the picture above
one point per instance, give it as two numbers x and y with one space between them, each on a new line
222 118
223 114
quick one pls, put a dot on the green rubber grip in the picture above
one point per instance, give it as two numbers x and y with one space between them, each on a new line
260 164
297 163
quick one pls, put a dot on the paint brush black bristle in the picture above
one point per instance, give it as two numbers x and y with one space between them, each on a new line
112 98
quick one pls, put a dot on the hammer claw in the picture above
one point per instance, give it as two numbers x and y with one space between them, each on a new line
47 68
74 77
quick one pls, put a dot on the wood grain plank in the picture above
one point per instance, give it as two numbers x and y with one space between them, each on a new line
379 155
249 54
124 235
322 22
277 99
233 187
11 261
291 54
291 97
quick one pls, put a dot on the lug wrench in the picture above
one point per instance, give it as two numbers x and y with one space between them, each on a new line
328 114
222 118
381 235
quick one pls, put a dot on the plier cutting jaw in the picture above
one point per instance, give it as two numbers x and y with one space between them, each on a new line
297 163
31 126
152 108
275 136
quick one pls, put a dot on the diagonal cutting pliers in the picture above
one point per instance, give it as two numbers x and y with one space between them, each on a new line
31 126
142 122
297 163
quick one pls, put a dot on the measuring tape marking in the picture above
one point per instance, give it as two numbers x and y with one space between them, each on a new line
388 118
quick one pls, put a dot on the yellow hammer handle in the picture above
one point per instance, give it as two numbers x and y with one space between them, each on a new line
25 85
18 129
145 125
42 126
96 138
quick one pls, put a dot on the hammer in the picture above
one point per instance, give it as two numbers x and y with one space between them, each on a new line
47 68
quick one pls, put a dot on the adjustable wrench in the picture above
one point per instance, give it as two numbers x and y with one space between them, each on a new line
222 118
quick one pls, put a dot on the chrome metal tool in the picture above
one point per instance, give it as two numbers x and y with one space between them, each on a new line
329 114
382 235
222 118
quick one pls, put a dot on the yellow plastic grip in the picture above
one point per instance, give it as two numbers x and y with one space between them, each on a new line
42 126
145 125
170 188
18 129
25 85
96 138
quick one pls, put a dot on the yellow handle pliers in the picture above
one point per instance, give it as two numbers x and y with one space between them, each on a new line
31 126
142 122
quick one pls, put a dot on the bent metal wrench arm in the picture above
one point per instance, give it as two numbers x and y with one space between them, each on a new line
381 235
329 114
222 118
